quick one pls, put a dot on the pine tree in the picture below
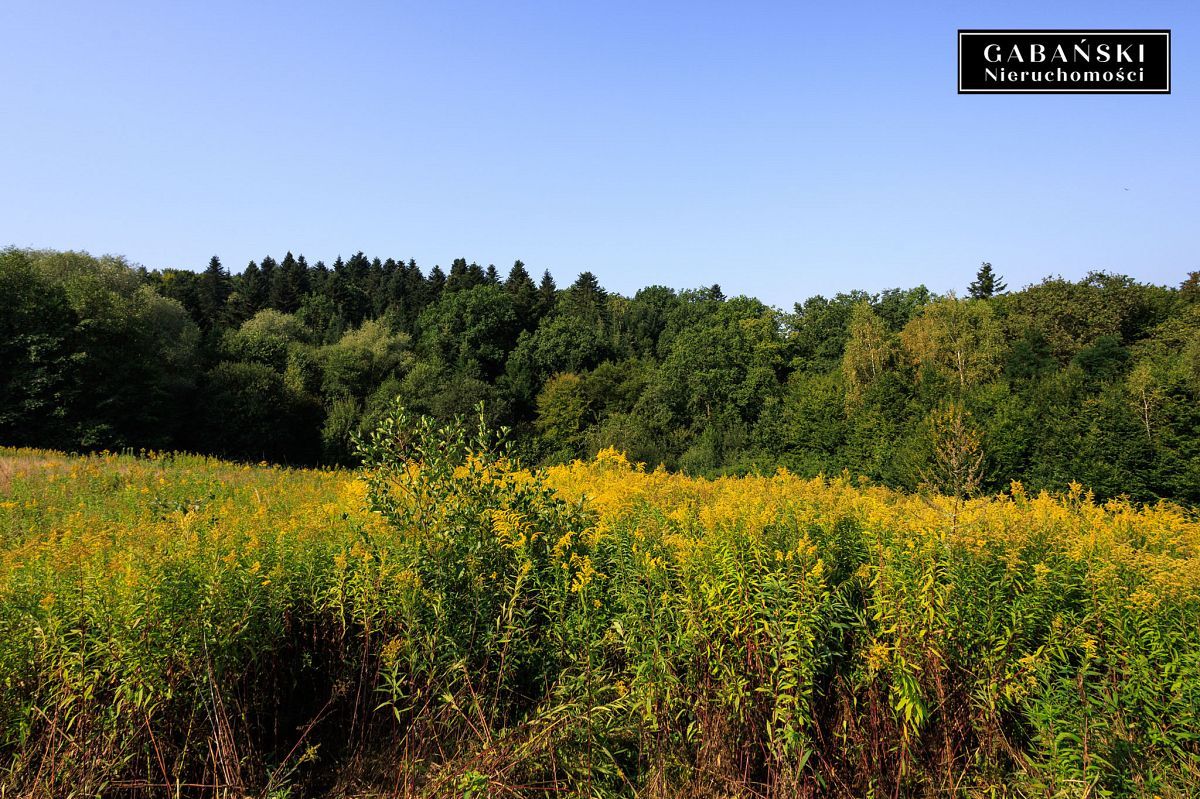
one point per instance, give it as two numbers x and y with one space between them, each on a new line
987 283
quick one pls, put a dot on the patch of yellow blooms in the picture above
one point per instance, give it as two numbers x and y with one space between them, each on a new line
109 518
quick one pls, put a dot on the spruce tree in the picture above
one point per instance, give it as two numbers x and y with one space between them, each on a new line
987 283
267 267
521 288
437 284
547 294
253 288
215 288
586 298
318 278
457 279
288 284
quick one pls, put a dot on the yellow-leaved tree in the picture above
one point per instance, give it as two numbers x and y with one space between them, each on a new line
869 350
961 337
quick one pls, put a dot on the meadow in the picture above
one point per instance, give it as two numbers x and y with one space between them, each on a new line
444 622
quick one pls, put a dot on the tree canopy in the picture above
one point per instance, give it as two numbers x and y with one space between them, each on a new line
1096 380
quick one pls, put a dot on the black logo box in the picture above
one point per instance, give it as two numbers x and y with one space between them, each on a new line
1064 61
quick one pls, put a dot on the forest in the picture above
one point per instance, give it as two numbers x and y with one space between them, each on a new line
1095 381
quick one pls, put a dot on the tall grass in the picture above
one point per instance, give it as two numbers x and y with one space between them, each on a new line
446 623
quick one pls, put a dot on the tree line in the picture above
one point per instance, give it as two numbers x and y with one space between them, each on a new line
1095 381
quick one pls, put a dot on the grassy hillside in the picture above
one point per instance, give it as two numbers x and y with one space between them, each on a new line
180 625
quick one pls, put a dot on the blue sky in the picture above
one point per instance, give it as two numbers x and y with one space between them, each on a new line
779 149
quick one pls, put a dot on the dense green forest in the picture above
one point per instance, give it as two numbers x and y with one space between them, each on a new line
1096 381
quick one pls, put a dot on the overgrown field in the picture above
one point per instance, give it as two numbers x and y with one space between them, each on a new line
446 624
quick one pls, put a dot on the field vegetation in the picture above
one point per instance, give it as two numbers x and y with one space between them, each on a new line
446 622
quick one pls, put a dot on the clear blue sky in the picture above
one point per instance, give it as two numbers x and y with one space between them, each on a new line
780 149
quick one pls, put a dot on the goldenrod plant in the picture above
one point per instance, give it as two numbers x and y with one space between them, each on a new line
447 622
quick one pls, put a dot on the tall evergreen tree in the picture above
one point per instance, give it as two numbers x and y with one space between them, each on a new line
215 288
437 284
465 276
547 294
349 288
252 286
987 283
289 284
525 295
318 278
376 284
267 266
586 298
304 273
358 268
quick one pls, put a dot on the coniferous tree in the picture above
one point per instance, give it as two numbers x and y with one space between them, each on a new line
987 283
349 288
215 288
252 286
288 285
547 294
456 280
318 278
358 268
375 285
304 274
268 266
406 295
437 284
586 298
525 295
465 276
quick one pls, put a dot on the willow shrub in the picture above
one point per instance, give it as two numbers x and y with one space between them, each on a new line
447 623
